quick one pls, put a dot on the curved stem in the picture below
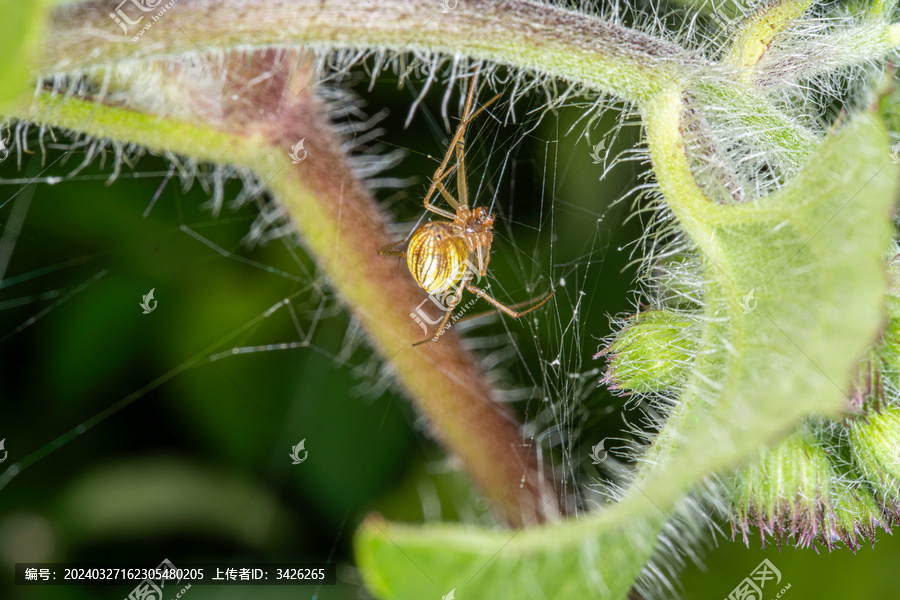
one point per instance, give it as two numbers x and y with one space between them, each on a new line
342 227
589 52
596 53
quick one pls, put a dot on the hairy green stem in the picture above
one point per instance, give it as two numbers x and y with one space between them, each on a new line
758 33
695 212
803 56
587 51
596 53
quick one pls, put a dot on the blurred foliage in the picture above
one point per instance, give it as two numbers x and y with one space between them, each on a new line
21 29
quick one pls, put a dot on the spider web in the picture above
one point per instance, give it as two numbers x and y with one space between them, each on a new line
558 181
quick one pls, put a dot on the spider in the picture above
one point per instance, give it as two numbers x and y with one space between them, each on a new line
441 254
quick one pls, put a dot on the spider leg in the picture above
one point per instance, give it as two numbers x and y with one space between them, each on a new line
482 108
386 250
436 182
439 176
502 307
439 332
442 171
458 143
449 198
482 264
493 311
468 118
454 301
461 189
440 211
487 259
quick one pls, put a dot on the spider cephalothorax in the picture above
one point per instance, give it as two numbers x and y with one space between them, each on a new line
441 254
476 227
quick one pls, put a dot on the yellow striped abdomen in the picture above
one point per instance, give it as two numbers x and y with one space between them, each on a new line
435 257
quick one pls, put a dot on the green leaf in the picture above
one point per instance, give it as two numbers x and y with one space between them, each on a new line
812 255
598 557
21 29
